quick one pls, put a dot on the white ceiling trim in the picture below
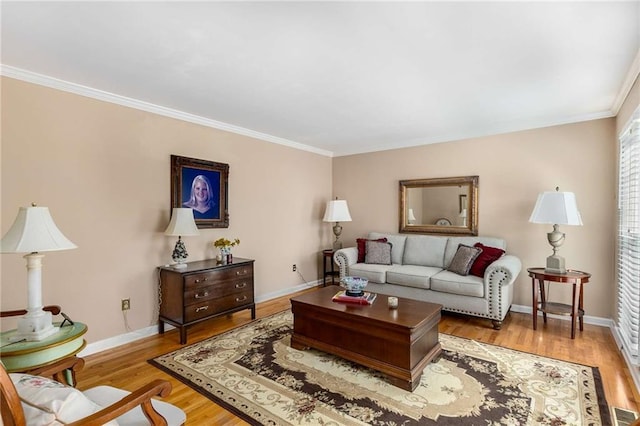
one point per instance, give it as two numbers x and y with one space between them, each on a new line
43 80
632 75
65 86
489 131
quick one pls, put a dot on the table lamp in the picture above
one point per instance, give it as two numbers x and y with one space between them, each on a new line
411 217
463 216
181 224
556 208
337 211
34 232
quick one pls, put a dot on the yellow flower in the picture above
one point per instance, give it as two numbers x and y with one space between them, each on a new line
224 243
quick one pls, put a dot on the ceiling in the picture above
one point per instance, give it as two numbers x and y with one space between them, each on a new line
336 78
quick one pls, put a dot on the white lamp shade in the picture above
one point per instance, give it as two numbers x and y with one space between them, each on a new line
182 223
337 211
463 213
34 231
557 208
410 215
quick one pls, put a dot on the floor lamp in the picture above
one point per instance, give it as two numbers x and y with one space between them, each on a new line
34 232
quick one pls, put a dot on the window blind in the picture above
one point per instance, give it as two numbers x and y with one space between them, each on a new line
628 267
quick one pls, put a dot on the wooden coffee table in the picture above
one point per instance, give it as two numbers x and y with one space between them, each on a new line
397 342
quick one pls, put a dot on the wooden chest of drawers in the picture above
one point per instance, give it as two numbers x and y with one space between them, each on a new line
203 290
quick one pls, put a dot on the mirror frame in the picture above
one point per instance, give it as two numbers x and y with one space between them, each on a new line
472 206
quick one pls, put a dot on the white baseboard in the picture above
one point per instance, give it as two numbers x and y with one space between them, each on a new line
123 339
603 322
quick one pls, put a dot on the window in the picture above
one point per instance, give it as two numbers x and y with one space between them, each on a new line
628 268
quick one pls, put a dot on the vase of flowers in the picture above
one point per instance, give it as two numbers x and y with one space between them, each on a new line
225 245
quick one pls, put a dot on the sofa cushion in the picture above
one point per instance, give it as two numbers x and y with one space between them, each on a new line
372 272
463 259
378 253
397 241
486 258
412 275
424 250
362 247
454 242
450 282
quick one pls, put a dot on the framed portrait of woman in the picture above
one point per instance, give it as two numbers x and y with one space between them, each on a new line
202 186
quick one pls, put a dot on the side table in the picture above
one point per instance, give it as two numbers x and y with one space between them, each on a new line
22 356
328 272
576 309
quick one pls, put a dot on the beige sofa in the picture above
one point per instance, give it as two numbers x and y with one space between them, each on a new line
418 270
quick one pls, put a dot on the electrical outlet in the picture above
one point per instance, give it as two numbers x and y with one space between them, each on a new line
294 268
126 304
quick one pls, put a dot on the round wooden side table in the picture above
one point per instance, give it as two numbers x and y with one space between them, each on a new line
22 356
576 278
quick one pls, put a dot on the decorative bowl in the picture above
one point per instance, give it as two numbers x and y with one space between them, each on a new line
354 285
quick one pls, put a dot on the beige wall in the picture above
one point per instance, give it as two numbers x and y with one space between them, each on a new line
103 171
513 169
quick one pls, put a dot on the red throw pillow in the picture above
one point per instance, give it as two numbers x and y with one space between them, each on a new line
362 247
486 258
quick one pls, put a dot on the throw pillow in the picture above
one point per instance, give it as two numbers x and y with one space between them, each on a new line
47 402
362 247
463 259
378 252
486 258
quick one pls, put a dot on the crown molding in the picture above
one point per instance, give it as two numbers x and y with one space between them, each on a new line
65 86
632 75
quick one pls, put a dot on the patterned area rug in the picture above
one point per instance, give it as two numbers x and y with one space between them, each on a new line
253 371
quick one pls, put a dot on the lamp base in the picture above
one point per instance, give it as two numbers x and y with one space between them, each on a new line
35 326
555 264
180 265
337 245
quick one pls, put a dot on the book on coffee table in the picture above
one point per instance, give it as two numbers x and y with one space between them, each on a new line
366 298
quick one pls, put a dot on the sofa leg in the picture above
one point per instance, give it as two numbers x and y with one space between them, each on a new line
497 325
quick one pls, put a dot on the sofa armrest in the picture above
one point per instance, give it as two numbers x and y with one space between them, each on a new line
344 258
503 271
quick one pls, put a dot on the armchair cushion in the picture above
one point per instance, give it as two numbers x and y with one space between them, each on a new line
107 395
47 402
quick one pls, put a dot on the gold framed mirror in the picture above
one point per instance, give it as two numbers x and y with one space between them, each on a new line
439 205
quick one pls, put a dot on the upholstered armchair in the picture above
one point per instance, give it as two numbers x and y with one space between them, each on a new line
44 397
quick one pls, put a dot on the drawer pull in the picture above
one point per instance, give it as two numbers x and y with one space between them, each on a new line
201 295
243 272
202 308
241 285
201 281
241 299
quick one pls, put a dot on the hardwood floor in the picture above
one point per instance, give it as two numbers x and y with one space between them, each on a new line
126 366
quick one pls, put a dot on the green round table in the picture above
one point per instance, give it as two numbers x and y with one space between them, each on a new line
22 356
